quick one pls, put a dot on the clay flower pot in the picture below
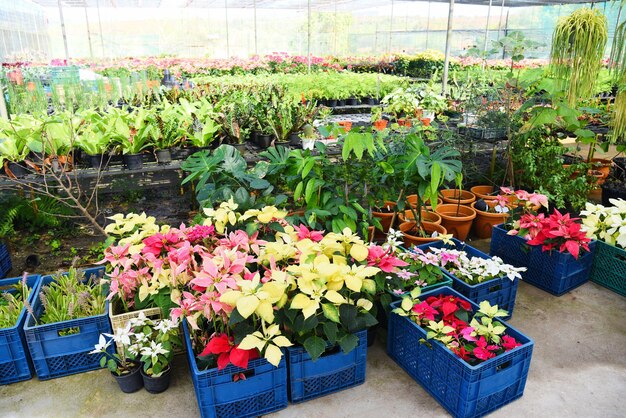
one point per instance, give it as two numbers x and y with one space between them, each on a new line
485 221
412 200
427 216
457 219
411 237
455 196
380 124
385 217
484 192
346 125
602 165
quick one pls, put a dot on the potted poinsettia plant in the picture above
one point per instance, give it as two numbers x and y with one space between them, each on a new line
123 365
554 248
607 224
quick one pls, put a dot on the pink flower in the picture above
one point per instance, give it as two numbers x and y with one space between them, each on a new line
466 333
424 310
506 190
538 199
484 351
199 232
381 258
304 232
509 343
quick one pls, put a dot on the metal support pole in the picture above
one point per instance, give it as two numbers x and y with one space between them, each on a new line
506 29
88 29
500 20
335 30
308 37
390 29
446 62
428 25
67 54
100 26
486 34
227 40
256 45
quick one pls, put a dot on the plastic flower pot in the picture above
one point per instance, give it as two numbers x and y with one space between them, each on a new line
98 162
426 215
130 382
15 169
133 161
484 192
281 144
157 384
164 156
485 221
387 216
410 233
308 143
331 103
457 219
241 148
264 141
295 140
352 101
463 197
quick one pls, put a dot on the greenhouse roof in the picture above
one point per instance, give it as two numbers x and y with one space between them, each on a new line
283 4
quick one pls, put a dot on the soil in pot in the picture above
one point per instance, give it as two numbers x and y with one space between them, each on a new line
164 156
130 382
463 197
484 192
427 216
485 221
133 161
157 384
414 237
264 141
457 219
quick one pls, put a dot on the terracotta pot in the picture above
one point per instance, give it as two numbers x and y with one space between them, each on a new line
426 121
598 176
346 125
484 192
457 219
602 165
380 124
428 227
485 221
427 216
385 218
412 200
463 197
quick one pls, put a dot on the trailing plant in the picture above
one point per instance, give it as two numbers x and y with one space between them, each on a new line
577 49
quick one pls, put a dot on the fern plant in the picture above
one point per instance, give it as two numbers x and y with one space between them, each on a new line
577 49
30 214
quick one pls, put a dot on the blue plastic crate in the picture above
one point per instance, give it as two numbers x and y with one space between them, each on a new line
554 272
500 291
15 363
263 391
54 355
5 260
332 372
462 389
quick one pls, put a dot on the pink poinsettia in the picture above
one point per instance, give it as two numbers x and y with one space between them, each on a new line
304 232
383 259
484 351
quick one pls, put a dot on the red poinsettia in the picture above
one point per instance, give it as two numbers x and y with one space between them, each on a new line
224 347
424 310
448 305
484 351
509 343
562 232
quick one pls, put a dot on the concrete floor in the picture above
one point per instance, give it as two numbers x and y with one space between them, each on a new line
578 370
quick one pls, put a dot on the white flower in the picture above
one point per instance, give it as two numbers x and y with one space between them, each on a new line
141 337
166 325
139 321
122 335
102 345
134 349
153 350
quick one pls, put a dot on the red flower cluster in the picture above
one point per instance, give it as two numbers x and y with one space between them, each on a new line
556 231
464 340
223 346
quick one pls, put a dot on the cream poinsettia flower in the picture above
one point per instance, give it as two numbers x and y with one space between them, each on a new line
221 217
277 251
268 342
265 215
320 269
310 299
355 278
351 244
255 298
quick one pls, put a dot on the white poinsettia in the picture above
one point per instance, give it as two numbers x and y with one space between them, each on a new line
606 223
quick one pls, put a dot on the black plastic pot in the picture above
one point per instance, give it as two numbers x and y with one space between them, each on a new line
99 162
341 102
264 141
619 171
18 170
180 153
331 103
281 144
613 190
130 382
352 101
133 161
164 156
254 137
241 148
295 140
157 384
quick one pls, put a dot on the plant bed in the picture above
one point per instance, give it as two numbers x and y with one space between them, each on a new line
5 260
62 348
264 389
15 363
609 268
499 291
331 372
556 273
464 390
